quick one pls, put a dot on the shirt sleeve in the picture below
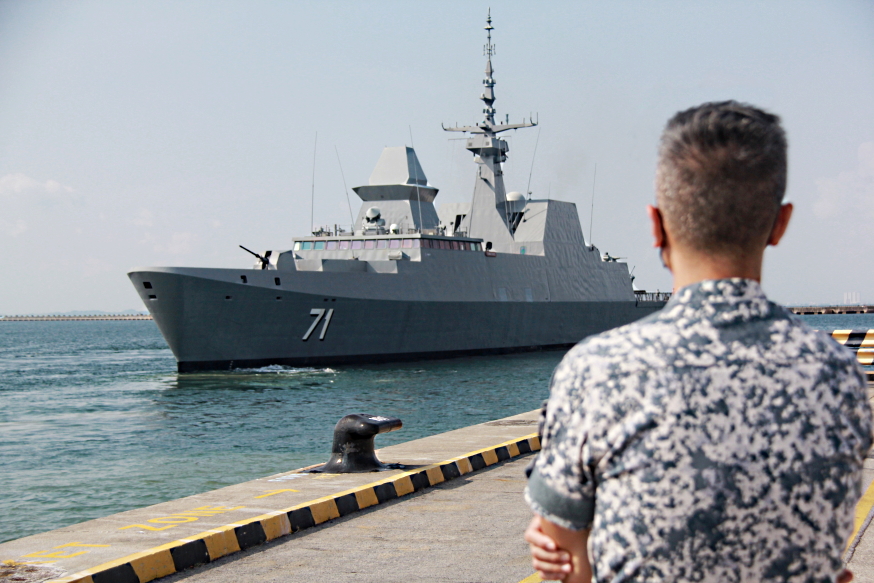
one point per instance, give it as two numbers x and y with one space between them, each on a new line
561 488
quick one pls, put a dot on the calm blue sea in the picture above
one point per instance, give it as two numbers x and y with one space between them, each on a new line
94 419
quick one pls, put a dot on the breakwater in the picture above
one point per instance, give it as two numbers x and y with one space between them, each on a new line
814 310
62 318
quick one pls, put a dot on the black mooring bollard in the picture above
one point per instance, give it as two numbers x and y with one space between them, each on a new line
352 450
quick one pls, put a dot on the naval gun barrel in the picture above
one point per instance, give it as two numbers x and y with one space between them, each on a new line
263 260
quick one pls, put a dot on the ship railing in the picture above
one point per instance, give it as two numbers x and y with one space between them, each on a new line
657 296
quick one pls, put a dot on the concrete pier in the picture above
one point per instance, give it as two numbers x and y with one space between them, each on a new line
148 543
456 514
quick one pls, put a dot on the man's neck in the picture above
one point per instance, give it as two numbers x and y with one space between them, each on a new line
689 266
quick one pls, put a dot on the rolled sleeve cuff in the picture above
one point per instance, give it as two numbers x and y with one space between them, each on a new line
570 513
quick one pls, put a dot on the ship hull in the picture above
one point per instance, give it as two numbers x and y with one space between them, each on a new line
213 324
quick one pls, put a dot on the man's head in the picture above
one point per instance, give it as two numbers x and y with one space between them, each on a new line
721 178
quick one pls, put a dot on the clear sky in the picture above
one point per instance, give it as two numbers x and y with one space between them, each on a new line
168 133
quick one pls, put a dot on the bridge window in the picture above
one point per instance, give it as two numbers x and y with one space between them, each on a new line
297 245
455 245
369 244
381 244
394 244
426 243
319 245
407 244
357 244
306 245
331 245
344 244
416 243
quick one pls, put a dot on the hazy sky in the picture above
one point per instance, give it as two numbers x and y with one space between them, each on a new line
168 133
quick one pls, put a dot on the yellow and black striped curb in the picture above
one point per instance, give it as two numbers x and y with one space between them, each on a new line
218 542
859 341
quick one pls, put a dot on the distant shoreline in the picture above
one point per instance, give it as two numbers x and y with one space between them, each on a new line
814 310
74 318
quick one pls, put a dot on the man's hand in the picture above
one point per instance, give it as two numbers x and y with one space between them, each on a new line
552 563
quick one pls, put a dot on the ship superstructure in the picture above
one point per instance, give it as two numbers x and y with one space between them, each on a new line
499 274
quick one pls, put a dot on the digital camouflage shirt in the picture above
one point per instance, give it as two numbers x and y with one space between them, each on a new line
719 439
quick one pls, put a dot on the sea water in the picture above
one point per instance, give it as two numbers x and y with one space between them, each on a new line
95 420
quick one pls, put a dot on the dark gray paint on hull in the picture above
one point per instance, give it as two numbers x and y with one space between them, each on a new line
206 331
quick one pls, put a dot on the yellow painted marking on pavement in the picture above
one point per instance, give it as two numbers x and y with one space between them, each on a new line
464 466
862 509
60 554
324 511
404 486
366 498
178 518
535 578
513 449
868 341
145 527
174 519
534 442
53 555
865 356
152 565
275 492
276 526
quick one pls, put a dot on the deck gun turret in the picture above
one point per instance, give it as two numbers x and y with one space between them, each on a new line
265 260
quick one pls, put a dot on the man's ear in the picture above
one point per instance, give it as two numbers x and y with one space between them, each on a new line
780 224
658 228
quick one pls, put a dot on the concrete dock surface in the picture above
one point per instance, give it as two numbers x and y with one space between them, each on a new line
469 529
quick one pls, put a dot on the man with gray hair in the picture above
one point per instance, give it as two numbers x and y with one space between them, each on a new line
719 439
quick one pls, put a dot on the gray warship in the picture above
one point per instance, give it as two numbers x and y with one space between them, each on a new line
502 273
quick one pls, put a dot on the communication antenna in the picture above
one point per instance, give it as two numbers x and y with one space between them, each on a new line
528 190
313 191
346 190
416 172
592 210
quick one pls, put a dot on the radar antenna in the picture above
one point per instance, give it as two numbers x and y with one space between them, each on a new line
488 125
489 208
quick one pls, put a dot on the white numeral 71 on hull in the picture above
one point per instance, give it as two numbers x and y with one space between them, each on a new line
318 313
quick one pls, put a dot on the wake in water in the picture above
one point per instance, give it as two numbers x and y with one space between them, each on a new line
281 369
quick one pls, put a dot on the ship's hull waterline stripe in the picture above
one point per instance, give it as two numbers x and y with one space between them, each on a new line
218 542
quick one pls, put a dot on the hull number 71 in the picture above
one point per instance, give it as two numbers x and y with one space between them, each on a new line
321 315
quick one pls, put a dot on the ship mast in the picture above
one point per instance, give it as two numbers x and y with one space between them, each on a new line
488 214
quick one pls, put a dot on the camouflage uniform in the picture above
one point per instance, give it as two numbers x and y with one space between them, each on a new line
719 439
